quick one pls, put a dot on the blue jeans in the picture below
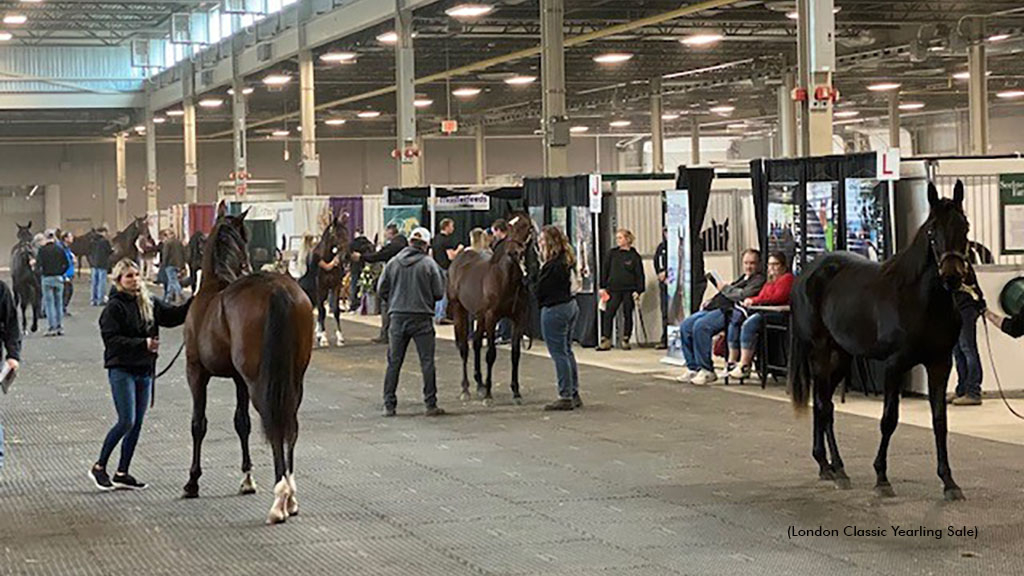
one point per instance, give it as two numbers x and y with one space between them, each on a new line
99 286
53 301
131 394
173 289
441 307
558 324
968 361
698 332
743 331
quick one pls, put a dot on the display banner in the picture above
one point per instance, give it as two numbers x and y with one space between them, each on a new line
865 218
1011 203
679 273
783 221
821 218
464 203
407 218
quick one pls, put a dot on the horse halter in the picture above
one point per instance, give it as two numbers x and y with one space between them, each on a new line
944 257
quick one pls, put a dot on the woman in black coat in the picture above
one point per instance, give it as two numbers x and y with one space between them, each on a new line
622 282
130 326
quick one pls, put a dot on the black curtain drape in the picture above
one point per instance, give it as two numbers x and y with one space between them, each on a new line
697 181
759 189
504 201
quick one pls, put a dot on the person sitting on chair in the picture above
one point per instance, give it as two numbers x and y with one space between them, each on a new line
698 330
745 325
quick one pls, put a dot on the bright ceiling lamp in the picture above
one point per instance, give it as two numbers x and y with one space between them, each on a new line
280 133
466 92
846 113
724 109
911 105
276 79
794 15
6 36
245 91
159 120
175 112
613 58
15 19
620 123
469 10
391 37
335 122
705 39
520 80
737 126
423 102
998 37
368 114
965 75
210 103
670 116
1009 94
31 1
579 129
140 128
884 86
338 57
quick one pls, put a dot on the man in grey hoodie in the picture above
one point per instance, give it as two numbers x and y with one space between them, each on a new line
412 284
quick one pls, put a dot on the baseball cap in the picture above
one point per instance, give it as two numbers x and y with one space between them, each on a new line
421 234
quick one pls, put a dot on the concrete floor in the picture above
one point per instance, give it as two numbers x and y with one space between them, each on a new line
649 478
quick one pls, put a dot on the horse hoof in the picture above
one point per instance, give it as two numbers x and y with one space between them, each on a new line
488 402
518 400
293 506
885 491
190 492
277 517
826 474
843 482
464 397
248 486
481 393
954 494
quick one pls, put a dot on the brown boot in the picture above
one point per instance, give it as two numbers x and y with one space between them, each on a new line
606 345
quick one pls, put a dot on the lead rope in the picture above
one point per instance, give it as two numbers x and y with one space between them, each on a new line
152 397
992 362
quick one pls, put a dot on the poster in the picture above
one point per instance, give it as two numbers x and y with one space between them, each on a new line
821 218
677 223
1011 204
582 239
537 216
865 218
560 218
407 218
783 224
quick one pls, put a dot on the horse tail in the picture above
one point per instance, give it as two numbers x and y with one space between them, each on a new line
799 381
277 370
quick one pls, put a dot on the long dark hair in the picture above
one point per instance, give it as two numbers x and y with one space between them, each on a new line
556 244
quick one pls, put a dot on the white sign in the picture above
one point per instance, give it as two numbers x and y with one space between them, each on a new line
888 164
596 194
463 203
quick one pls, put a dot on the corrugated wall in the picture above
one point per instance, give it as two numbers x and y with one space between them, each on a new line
95 68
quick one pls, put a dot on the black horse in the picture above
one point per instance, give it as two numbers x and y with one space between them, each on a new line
26 285
900 313
323 283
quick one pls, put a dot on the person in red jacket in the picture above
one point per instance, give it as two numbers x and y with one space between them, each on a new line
745 325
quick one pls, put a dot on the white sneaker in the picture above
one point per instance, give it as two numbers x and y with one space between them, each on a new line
703 378
687 377
740 372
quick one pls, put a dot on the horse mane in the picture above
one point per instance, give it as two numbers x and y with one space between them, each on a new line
226 256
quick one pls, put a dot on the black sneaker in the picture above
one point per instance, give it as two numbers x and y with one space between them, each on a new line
434 411
389 411
576 401
101 479
560 405
127 482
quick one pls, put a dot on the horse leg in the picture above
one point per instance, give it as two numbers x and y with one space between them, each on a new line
197 381
339 338
282 489
840 368
462 341
818 451
35 315
890 418
517 350
479 332
321 319
293 503
938 378
243 427
492 355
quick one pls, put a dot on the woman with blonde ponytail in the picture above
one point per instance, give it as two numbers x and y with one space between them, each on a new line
130 328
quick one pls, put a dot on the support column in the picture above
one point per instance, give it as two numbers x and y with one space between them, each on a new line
894 119
977 63
409 166
121 179
816 41
657 127
787 117
152 188
238 113
481 154
694 141
307 107
555 122
189 122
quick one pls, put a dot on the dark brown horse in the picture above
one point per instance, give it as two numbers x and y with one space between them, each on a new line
82 247
126 243
483 290
25 283
334 244
256 329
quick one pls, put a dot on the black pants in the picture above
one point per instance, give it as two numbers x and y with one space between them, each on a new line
420 329
625 300
385 321
353 285
69 291
663 289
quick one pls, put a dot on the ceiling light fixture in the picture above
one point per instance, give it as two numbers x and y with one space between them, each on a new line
725 109
367 114
738 126
422 102
620 123
1008 94
245 91
15 19
520 80
794 15
175 112
579 129
6 36
965 75
884 86
338 57
334 121
469 10
998 37
276 79
31 1
670 116
613 58
846 113
140 128
210 103
912 106
391 37
705 39
159 120
280 133
467 92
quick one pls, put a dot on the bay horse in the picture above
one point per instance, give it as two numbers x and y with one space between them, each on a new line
482 290
82 247
127 242
25 282
256 329
334 243
900 313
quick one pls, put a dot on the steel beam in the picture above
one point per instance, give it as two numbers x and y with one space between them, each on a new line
977 64
120 162
787 117
408 166
657 127
189 137
694 141
480 139
552 61
894 120
307 107
238 138
152 188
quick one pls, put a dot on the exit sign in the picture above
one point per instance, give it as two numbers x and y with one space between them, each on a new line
449 126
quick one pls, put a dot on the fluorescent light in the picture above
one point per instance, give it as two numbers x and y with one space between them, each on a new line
31 1
579 129
724 109
276 79
794 15
671 116
5 36
245 91
422 102
613 58
469 10
520 80
388 38
280 133
335 121
159 120
702 39
846 113
369 114
884 86
998 37
211 102
965 75
338 57
737 126
620 123
467 92
140 128
1007 94
175 112
15 19
912 106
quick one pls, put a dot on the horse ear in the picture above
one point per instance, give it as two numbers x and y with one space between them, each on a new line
222 209
958 192
29 225
241 217
933 195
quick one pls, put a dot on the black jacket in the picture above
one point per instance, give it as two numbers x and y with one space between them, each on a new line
10 330
388 252
1013 326
661 258
125 332
52 260
623 271
555 284
99 257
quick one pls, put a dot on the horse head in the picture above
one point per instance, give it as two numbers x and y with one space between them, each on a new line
520 228
25 232
334 241
946 229
227 256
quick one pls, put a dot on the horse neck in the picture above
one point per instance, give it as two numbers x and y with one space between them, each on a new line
914 263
